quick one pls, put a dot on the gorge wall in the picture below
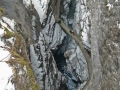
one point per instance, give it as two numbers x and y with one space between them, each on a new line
55 58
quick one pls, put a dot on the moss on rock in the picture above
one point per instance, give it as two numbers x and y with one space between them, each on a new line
8 34
2 11
23 78
27 72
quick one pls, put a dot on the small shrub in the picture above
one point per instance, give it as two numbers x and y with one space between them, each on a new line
2 10
32 4
8 34
19 59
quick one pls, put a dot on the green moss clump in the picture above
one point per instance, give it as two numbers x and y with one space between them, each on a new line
2 10
8 34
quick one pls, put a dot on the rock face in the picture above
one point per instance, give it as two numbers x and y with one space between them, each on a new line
104 45
56 59
16 10
52 38
109 44
16 73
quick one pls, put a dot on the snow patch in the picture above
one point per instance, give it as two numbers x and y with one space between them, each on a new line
11 40
118 25
116 44
9 22
27 3
35 63
57 37
5 76
1 32
53 36
41 7
5 70
4 55
33 27
109 6
81 23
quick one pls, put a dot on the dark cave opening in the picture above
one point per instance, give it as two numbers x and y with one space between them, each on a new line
60 61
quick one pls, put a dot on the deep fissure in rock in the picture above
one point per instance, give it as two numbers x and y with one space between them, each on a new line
70 75
62 66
